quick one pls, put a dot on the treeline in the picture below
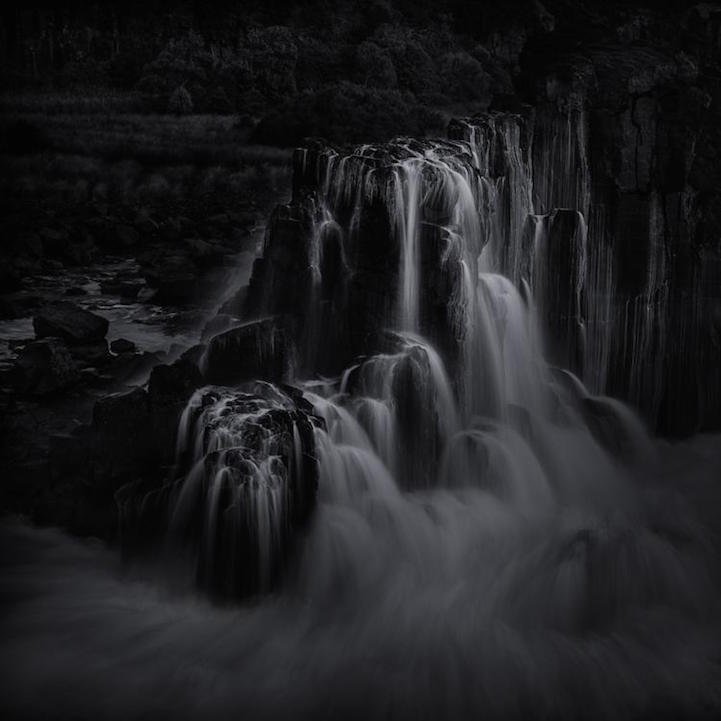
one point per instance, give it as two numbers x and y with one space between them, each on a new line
342 69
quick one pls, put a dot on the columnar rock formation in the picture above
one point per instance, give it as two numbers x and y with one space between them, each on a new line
594 198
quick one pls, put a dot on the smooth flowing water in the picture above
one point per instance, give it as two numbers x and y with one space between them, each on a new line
460 602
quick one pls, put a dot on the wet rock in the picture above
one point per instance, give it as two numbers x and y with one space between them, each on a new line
216 325
561 261
169 388
123 345
256 350
94 355
71 323
121 410
122 440
277 437
131 366
195 355
46 366
173 383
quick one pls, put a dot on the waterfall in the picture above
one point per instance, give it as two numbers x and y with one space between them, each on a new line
468 309
433 512
246 476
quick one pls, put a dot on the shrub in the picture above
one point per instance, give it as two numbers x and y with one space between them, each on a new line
181 63
273 56
464 77
374 66
414 66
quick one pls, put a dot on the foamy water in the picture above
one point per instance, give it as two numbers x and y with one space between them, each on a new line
434 605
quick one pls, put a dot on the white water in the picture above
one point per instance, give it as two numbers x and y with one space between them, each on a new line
449 604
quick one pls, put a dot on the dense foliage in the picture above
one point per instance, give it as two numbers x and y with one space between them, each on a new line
344 69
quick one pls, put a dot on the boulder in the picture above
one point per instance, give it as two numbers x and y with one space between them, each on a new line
173 383
73 324
91 354
253 351
46 366
123 345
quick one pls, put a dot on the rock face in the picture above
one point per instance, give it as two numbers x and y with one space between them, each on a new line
46 366
257 350
71 323
124 449
245 485
599 196
640 126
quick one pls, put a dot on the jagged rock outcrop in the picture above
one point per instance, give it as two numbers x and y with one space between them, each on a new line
73 324
46 366
601 194
259 350
244 485
642 125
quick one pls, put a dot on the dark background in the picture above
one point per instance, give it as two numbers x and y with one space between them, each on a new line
347 70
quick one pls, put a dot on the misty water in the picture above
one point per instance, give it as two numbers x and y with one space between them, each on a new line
493 537
440 604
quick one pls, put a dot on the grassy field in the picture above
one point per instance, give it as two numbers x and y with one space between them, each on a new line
97 101
59 151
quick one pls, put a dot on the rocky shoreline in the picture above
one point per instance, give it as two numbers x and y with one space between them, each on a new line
79 329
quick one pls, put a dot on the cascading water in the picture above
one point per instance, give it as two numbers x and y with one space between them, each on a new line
452 527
